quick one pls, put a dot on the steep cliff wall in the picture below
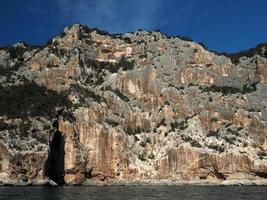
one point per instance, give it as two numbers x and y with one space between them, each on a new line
92 107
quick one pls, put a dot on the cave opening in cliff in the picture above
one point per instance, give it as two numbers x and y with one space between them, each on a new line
55 164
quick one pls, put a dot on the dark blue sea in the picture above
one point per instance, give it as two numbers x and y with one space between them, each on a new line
135 192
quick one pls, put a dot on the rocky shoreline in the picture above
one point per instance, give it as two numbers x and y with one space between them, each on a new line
262 182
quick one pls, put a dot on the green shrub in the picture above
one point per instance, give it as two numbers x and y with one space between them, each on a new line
133 131
225 90
111 67
185 38
195 143
125 64
233 131
142 157
217 148
68 116
17 52
30 99
249 88
151 156
258 50
118 93
161 123
148 140
143 144
84 93
183 125
174 125
40 137
101 32
214 119
186 138
24 128
4 126
8 71
229 140
127 40
213 134
111 122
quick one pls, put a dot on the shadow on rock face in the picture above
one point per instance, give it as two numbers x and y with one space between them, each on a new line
54 168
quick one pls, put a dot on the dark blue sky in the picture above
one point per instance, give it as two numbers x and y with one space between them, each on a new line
223 25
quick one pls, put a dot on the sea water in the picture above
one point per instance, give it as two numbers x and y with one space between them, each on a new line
135 192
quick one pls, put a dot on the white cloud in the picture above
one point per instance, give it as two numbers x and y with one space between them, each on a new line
113 15
116 15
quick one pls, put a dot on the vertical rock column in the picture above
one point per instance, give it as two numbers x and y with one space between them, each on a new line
74 160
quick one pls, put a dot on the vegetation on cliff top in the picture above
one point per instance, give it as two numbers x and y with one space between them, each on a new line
30 99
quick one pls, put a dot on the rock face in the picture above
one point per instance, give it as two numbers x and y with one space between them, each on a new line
91 106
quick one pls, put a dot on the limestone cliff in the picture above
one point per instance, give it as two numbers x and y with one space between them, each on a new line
91 106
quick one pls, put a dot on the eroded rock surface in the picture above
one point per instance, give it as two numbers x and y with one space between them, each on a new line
90 106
